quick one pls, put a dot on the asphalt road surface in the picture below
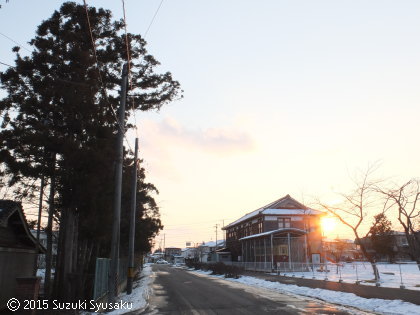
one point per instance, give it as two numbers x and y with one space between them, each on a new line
177 291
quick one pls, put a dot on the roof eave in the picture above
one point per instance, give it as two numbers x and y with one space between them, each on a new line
274 232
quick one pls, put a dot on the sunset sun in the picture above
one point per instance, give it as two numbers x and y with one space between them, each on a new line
328 224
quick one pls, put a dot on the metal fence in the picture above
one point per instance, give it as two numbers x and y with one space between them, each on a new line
102 270
397 275
263 250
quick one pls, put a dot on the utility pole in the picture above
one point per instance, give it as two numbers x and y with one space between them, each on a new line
215 247
164 251
224 234
131 269
115 243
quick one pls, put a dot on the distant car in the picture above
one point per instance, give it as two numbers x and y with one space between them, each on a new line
162 261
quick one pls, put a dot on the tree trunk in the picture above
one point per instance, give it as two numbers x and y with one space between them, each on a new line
49 254
369 258
375 270
67 288
59 264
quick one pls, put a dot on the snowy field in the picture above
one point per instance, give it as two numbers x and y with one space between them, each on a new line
362 271
379 306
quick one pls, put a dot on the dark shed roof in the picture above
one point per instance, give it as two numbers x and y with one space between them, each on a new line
14 230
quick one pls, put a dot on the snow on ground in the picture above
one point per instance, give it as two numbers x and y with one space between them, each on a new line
40 273
342 298
362 271
137 300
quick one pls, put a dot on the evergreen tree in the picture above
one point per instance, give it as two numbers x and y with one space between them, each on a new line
58 120
381 236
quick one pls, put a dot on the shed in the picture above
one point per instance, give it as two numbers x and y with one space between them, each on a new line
18 249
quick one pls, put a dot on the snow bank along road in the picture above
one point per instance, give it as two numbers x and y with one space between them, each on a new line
177 291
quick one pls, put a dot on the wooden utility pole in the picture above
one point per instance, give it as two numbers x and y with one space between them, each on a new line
224 234
115 243
215 246
131 269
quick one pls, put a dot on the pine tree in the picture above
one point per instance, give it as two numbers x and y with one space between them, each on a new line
381 236
58 121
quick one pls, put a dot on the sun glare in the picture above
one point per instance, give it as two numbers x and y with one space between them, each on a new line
328 224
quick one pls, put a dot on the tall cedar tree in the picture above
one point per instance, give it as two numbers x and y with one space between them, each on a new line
59 110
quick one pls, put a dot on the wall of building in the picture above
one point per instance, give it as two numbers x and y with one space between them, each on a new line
311 224
270 223
13 264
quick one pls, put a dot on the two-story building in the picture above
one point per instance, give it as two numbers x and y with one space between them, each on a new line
284 231
171 252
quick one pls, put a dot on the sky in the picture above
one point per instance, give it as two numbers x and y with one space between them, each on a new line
280 97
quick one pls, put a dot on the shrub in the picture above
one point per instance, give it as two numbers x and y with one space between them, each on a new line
233 271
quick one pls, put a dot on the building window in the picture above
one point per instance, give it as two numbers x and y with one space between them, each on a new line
283 223
281 250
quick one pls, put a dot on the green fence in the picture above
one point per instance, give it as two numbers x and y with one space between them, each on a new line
102 276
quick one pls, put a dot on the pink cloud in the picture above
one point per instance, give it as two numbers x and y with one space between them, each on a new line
215 140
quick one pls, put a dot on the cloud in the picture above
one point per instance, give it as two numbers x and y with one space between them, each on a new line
215 140
166 146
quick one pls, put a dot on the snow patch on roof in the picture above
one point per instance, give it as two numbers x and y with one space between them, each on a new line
292 211
250 215
283 206
213 243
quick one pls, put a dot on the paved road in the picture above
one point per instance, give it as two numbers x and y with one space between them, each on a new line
177 291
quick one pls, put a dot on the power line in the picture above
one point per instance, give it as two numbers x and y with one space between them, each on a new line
200 224
11 39
153 19
6 64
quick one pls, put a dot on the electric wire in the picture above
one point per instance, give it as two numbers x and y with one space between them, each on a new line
153 19
128 52
5 64
11 39
201 223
